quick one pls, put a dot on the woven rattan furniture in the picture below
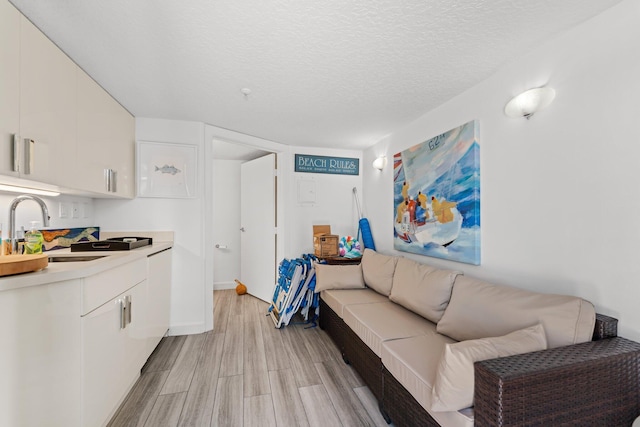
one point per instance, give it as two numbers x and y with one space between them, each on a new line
589 384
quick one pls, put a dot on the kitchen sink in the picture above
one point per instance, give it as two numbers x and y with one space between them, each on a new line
79 258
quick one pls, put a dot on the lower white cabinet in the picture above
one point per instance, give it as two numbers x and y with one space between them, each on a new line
72 350
114 350
159 282
40 357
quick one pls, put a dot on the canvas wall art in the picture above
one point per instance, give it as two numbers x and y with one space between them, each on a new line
61 238
437 196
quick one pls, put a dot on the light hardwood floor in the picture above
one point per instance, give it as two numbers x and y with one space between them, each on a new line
247 373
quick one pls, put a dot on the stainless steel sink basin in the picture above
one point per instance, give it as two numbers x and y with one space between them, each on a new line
78 258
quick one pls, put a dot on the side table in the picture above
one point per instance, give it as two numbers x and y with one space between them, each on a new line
338 260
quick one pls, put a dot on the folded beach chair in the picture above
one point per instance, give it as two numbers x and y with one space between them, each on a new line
294 291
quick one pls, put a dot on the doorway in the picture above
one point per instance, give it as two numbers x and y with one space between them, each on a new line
224 262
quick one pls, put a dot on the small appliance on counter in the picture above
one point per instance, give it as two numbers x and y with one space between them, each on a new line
112 244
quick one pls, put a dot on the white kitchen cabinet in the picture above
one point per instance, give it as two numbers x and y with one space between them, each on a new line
9 85
69 356
114 350
48 108
106 141
40 355
114 339
159 282
57 125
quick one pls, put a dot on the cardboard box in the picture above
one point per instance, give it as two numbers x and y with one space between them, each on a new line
328 245
325 244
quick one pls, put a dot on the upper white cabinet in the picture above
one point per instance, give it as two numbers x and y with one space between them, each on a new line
9 85
106 142
57 125
48 108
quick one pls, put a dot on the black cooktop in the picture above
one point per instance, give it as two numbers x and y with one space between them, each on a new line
112 244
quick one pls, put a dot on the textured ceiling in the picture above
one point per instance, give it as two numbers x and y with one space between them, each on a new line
328 73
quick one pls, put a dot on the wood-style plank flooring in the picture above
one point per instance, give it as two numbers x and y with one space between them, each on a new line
247 373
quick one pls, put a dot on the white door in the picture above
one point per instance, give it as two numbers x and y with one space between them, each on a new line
258 226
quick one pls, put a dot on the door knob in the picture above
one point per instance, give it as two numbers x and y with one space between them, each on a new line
242 229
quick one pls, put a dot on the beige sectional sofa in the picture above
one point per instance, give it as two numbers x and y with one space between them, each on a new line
420 337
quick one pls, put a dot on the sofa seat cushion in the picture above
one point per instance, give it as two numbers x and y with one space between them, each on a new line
337 299
479 310
375 323
414 362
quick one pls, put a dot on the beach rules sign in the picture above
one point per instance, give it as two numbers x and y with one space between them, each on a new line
326 164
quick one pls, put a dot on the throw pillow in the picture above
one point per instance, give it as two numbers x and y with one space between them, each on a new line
338 277
454 383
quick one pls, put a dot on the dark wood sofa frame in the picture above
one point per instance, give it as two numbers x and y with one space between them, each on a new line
590 384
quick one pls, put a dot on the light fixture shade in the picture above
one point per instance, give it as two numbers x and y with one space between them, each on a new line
380 162
529 102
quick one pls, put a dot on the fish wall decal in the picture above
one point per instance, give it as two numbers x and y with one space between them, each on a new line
168 169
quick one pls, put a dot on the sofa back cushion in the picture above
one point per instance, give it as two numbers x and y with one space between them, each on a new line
453 386
423 289
378 270
478 310
338 277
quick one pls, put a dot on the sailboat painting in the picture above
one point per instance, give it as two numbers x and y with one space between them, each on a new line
436 194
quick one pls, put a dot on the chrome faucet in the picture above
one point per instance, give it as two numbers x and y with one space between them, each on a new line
12 217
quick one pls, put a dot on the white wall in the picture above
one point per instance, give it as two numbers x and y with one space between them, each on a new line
183 216
334 202
560 194
226 222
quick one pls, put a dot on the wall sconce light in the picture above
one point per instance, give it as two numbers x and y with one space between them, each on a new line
380 162
529 102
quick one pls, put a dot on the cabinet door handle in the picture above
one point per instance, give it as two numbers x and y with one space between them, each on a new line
129 305
123 313
110 180
16 152
107 179
114 181
28 155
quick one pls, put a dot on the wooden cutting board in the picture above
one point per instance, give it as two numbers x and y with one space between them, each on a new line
16 264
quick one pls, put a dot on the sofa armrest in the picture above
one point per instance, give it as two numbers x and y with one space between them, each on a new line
606 327
593 383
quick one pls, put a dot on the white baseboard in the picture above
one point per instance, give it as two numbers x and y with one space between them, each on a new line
224 285
186 329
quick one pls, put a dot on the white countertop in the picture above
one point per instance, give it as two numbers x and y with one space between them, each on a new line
61 271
